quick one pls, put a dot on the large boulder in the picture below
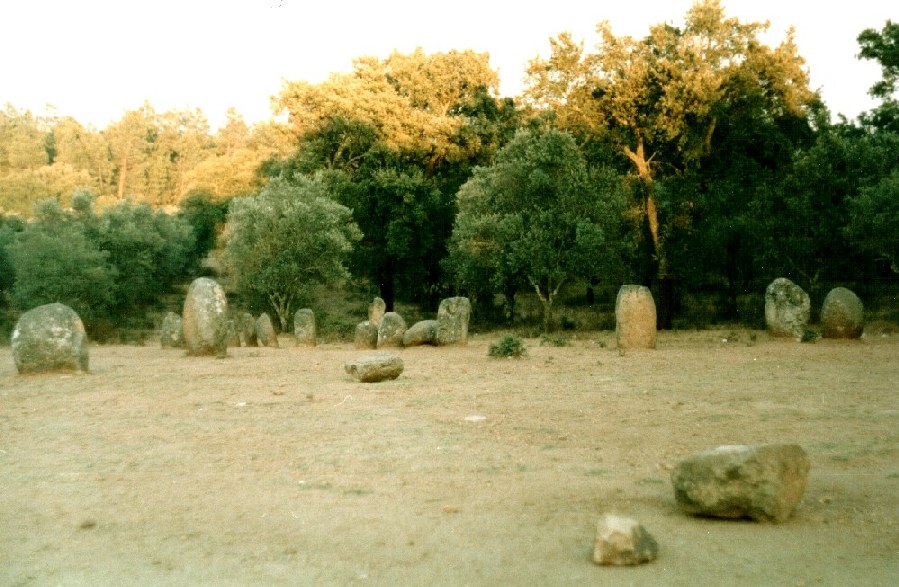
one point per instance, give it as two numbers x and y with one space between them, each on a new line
246 329
375 367
764 483
49 338
787 308
635 318
842 314
366 336
391 330
622 541
421 333
204 319
304 327
452 318
170 333
265 331
376 311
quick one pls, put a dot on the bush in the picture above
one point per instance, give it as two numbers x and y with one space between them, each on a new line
558 341
508 346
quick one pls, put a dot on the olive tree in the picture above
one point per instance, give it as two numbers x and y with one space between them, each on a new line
290 236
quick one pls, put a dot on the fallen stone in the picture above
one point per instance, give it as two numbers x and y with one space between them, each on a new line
391 330
787 308
49 338
375 367
635 318
452 317
623 541
366 336
170 333
763 483
204 319
304 327
421 333
842 314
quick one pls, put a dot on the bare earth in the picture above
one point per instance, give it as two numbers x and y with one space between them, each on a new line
273 467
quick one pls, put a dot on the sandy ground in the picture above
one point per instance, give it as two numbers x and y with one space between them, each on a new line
273 467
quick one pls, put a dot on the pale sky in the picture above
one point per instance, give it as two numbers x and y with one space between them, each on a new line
95 59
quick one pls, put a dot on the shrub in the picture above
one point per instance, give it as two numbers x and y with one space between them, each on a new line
508 346
547 340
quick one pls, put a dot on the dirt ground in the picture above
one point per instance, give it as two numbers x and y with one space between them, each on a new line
273 467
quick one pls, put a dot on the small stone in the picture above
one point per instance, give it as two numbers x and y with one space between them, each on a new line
375 367
623 541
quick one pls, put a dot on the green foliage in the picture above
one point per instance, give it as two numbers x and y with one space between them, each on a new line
508 346
873 218
290 237
556 341
207 217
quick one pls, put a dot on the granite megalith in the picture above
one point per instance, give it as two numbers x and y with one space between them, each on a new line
170 333
391 330
635 318
304 327
204 320
366 336
622 541
763 483
452 321
375 367
376 311
787 308
49 338
842 314
265 331
421 333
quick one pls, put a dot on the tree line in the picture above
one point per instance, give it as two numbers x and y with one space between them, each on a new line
695 159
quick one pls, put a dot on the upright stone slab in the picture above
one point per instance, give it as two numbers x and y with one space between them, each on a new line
635 318
246 329
787 308
49 338
452 321
232 338
764 483
304 327
376 311
391 330
204 319
366 336
842 314
170 334
265 331
421 333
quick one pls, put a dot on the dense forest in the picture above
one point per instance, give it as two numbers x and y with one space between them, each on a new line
695 159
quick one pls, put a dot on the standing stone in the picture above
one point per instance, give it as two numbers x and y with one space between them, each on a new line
265 331
635 318
246 329
366 335
304 327
170 334
842 314
452 318
49 338
375 368
764 483
421 333
391 330
232 338
376 311
622 541
787 308
204 318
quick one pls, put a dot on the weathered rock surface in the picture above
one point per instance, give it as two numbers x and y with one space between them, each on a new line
204 319
421 333
232 338
49 338
452 317
842 314
376 311
170 333
764 483
623 541
635 318
391 330
366 336
787 308
246 329
304 327
265 331
375 367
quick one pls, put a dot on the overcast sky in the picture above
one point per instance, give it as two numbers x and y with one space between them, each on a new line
95 59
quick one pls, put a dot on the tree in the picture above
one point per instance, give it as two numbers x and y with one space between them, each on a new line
873 216
537 216
660 99
289 237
